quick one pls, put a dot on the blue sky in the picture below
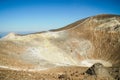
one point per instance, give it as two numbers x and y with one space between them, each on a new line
40 15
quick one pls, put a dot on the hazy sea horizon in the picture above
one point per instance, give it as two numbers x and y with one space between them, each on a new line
2 34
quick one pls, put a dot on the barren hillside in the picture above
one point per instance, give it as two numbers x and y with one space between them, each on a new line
83 43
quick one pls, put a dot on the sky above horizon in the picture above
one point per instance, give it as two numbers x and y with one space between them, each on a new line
41 15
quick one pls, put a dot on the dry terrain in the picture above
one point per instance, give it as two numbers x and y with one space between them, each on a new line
68 53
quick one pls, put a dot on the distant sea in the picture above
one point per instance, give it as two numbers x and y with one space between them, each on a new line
2 34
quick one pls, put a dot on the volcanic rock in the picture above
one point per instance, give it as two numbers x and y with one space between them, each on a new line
83 43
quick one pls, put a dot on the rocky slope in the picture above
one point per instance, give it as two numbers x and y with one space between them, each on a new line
91 40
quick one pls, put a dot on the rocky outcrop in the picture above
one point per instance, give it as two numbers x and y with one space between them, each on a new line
92 40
